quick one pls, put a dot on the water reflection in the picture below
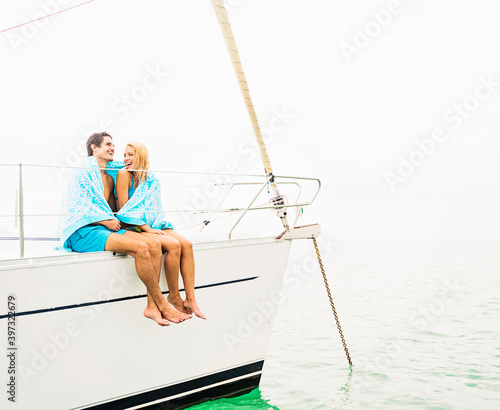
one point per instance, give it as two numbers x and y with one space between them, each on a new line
250 401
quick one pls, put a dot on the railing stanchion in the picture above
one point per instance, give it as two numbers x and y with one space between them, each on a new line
248 207
208 220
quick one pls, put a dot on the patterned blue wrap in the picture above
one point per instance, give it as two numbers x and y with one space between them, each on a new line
144 207
83 201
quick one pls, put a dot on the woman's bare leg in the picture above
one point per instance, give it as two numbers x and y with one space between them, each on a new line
172 260
187 271
146 252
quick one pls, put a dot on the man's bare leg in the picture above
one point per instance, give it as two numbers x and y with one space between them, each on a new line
172 259
151 311
187 272
139 250
154 244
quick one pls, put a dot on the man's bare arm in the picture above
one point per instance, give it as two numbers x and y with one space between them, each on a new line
111 224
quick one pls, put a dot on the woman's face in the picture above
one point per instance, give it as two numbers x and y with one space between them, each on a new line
129 158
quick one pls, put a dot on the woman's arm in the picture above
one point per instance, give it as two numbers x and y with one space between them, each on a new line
123 181
148 229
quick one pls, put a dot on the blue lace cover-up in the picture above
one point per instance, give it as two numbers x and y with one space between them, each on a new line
144 206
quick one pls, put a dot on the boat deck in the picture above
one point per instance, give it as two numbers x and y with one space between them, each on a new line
45 248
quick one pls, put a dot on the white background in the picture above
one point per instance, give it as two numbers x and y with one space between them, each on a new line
355 117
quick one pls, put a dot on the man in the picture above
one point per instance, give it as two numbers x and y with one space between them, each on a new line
90 226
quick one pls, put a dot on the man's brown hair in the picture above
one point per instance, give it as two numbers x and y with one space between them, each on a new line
96 139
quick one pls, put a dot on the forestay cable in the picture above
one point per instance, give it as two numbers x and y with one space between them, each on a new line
227 32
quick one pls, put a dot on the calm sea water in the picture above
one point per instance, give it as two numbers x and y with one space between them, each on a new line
421 320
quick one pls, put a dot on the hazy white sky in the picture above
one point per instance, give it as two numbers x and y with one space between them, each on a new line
393 104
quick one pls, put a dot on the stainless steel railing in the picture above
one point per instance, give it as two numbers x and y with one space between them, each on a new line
20 214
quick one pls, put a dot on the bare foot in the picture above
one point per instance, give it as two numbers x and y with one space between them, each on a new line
192 306
170 313
178 303
154 314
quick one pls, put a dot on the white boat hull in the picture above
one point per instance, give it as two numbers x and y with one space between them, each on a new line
82 341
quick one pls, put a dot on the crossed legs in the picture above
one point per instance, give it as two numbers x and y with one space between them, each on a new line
147 255
179 254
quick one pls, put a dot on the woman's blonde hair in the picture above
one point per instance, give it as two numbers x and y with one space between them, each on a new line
141 160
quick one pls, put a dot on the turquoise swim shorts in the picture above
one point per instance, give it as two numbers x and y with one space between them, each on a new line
90 238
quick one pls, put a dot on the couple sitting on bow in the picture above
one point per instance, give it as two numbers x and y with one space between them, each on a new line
116 206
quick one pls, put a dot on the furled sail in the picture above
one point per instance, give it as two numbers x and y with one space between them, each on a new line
227 32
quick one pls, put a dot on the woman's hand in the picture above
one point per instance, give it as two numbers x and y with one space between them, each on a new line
157 231
148 229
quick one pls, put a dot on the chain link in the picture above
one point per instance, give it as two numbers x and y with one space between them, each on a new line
331 301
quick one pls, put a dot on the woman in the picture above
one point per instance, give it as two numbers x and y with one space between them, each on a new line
138 194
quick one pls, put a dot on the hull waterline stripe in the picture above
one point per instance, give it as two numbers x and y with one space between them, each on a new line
166 393
102 302
225 390
201 391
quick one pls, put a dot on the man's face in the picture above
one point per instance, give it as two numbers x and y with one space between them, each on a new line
106 150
